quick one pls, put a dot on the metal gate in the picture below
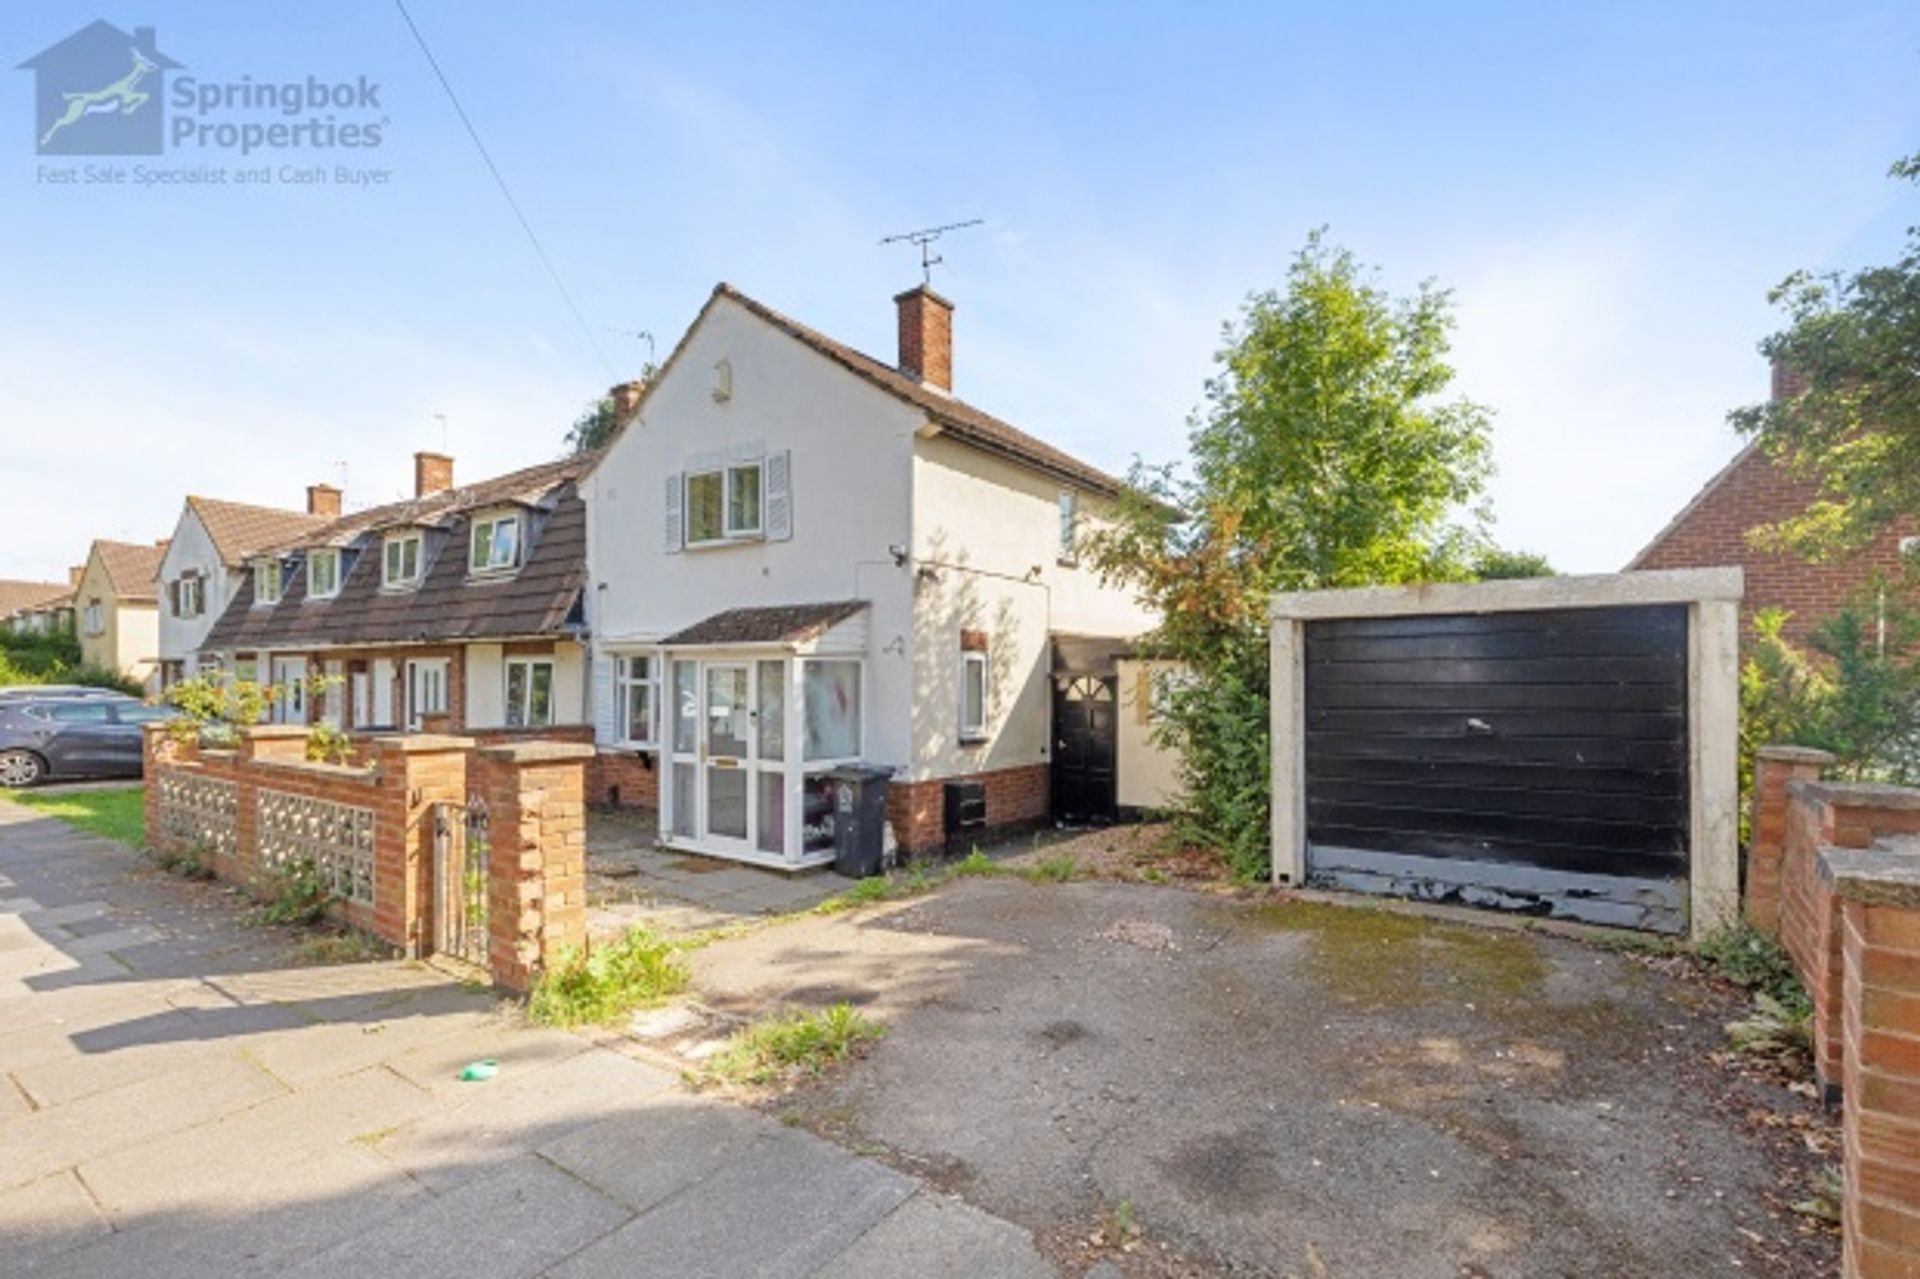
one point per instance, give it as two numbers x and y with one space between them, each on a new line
460 845
1086 729
1531 761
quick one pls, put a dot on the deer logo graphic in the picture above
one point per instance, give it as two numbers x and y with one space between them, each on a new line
100 91
122 96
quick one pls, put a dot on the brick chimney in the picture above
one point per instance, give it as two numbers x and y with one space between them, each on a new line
1786 383
323 499
926 337
626 401
432 473
74 573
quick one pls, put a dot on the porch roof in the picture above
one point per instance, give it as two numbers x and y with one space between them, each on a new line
769 624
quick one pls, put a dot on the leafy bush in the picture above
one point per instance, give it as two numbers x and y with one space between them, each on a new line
327 744
1751 959
793 1043
600 983
37 663
300 895
214 703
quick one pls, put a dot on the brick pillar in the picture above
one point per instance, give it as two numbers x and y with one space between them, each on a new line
537 859
157 750
1879 893
1773 768
416 771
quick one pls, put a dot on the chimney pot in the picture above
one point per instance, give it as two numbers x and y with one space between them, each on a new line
432 473
926 337
323 499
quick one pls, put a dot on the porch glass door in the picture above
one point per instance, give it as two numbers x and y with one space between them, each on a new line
728 752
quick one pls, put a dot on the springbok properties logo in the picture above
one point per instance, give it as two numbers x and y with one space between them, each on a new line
100 92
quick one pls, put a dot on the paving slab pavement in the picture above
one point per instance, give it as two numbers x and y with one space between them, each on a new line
177 1099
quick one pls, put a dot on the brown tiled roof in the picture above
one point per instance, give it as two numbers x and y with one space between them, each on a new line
530 484
773 624
130 568
238 530
17 597
448 604
955 417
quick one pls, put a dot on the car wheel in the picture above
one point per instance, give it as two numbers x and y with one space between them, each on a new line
20 768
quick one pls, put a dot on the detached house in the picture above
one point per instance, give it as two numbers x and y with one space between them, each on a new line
117 608
207 560
459 610
804 556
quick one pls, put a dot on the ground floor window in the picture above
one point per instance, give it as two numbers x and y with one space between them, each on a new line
529 693
638 680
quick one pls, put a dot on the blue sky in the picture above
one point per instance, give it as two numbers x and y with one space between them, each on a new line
1608 193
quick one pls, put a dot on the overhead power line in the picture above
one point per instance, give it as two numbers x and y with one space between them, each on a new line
499 178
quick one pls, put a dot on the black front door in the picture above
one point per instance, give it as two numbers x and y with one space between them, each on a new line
1085 733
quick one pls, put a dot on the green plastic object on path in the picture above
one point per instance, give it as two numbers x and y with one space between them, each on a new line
478 1070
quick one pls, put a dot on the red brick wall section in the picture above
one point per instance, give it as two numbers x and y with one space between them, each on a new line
1753 491
537 865
630 779
1773 768
917 810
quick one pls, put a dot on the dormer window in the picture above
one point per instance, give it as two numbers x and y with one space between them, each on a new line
401 560
266 581
495 544
323 574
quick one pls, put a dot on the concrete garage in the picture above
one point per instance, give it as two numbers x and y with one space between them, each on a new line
1562 747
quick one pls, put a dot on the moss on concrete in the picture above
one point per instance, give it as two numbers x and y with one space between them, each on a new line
1382 958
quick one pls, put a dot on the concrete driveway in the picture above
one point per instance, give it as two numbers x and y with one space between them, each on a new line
177 1100
1291 1089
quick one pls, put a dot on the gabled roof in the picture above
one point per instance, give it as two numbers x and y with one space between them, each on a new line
1685 513
238 530
131 569
954 417
771 624
523 487
19 597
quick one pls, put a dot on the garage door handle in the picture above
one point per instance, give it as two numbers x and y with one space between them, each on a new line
1477 725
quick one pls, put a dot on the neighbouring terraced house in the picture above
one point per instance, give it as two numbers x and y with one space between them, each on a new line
457 610
30 607
804 556
117 609
208 559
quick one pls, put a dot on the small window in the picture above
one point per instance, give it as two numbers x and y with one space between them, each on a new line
529 693
323 574
724 505
973 697
266 582
94 619
495 544
193 596
1069 526
639 683
402 567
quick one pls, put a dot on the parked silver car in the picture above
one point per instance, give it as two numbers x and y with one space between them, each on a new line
51 737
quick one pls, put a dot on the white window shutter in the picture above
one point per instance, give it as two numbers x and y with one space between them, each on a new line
779 496
676 522
606 724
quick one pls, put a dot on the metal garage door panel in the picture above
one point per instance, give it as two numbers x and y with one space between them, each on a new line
1534 761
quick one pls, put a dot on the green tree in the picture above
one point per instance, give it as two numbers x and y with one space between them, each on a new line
594 427
1496 565
1854 425
1322 456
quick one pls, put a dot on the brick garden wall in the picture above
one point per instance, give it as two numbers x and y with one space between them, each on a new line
537 856
1843 863
1016 797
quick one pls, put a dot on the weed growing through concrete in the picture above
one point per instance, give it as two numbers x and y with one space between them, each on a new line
793 1043
195 863
300 895
325 949
1781 1023
1057 869
603 982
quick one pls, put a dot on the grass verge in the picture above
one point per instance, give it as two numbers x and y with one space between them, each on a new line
793 1043
116 814
603 982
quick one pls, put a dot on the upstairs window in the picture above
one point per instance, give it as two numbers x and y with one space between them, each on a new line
1069 526
724 504
495 544
266 582
402 560
189 595
323 574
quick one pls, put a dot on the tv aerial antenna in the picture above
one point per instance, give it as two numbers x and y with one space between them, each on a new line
925 238
641 335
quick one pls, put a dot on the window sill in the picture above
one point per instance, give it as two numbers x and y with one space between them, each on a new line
732 539
974 739
492 574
